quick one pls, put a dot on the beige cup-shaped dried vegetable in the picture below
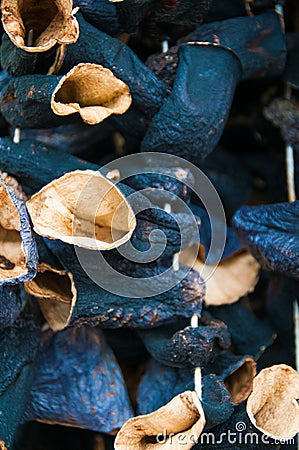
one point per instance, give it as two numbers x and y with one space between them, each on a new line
164 427
83 208
273 404
228 281
51 22
92 91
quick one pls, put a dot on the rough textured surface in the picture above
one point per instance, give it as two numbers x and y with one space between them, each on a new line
201 121
183 413
94 46
237 372
101 14
187 347
272 234
94 305
18 62
16 221
252 339
10 305
78 382
273 404
18 346
161 383
25 102
257 41
244 436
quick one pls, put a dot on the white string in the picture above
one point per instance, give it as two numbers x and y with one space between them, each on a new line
197 372
165 46
17 135
194 319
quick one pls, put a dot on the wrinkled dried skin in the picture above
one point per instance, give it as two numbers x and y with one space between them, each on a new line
85 371
273 404
51 21
93 91
12 256
271 233
239 383
161 383
188 347
10 305
184 413
226 283
83 208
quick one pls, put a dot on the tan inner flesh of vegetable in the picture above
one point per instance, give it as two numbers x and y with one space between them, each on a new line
95 91
12 256
92 91
56 295
277 404
37 15
83 205
51 285
233 278
239 383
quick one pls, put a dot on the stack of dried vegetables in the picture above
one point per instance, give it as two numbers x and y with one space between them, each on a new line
98 358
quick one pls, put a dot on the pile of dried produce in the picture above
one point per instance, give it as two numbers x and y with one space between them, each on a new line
149 227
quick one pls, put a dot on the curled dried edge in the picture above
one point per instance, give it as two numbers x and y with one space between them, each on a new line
16 260
228 281
92 91
56 294
51 21
83 208
239 382
273 404
183 413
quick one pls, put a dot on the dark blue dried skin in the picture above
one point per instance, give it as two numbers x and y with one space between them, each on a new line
201 121
176 346
17 62
10 305
102 14
161 383
94 46
237 373
232 244
238 433
171 180
251 339
187 13
78 382
24 267
34 166
18 346
258 42
26 102
272 234
132 12
95 305
225 9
